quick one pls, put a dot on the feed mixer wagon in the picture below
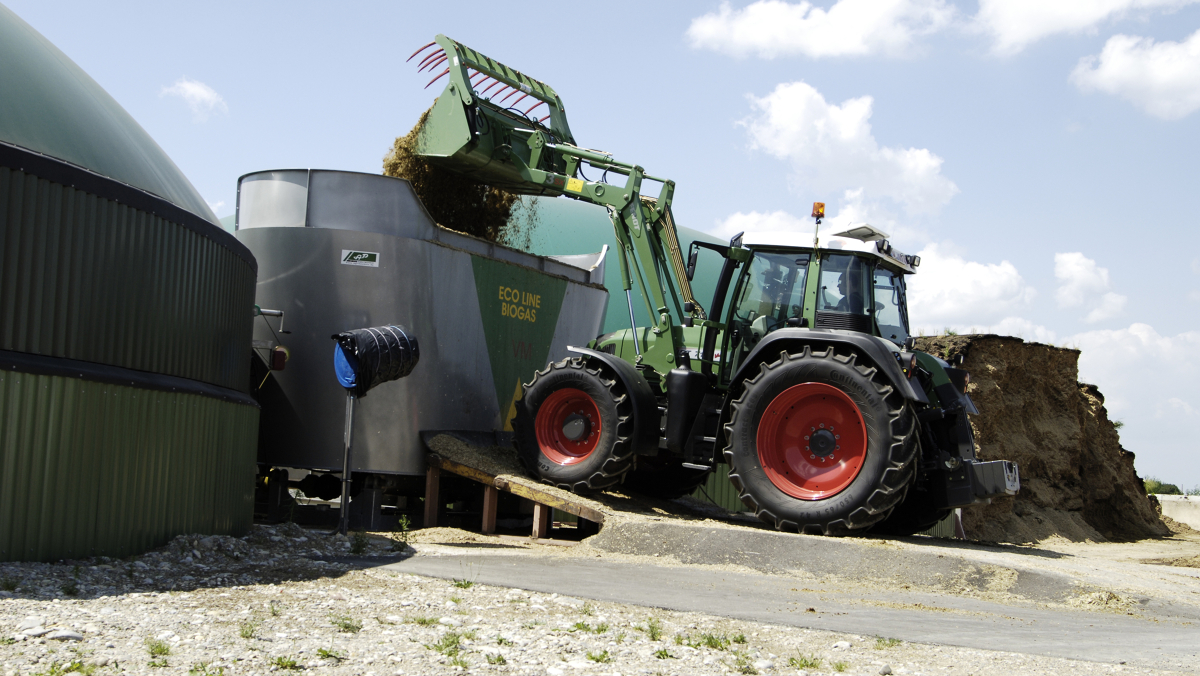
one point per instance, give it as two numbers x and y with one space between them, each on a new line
800 374
340 250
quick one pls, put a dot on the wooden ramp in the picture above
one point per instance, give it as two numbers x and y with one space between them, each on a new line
545 498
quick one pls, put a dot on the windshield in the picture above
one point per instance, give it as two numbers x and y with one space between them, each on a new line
891 313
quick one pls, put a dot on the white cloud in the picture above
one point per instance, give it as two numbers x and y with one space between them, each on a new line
782 227
773 28
216 205
1085 284
199 97
951 291
1161 78
759 225
831 147
1015 24
1110 305
1175 406
1148 380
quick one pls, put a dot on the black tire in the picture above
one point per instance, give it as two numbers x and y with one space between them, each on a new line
886 444
664 479
917 513
612 454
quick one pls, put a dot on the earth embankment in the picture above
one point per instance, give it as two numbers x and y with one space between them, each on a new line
1077 481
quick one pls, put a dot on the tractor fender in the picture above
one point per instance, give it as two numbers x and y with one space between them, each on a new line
881 353
646 418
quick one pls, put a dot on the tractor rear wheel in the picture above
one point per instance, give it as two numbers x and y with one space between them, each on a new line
574 427
820 444
917 513
920 511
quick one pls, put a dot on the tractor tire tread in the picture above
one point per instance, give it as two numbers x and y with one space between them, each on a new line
901 450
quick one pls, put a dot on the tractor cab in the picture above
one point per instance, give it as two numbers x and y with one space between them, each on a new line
847 285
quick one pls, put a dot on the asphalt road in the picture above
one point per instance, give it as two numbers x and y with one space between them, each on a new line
1157 635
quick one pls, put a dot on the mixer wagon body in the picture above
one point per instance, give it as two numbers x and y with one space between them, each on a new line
341 250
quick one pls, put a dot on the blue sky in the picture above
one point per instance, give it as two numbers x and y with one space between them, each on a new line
1041 156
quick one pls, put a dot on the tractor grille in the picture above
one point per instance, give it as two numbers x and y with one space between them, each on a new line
844 320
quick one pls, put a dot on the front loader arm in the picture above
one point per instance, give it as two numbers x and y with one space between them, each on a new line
483 126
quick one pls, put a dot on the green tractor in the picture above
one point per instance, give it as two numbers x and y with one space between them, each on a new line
807 385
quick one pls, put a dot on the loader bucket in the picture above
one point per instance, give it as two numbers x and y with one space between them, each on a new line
491 123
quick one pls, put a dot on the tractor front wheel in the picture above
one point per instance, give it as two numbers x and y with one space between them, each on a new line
820 444
573 427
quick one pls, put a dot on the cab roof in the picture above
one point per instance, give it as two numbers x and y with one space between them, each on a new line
880 249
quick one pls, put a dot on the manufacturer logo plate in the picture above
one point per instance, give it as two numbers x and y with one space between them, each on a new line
367 259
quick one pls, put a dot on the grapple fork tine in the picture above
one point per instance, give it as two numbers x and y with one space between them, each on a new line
442 74
540 102
429 58
434 63
519 99
420 50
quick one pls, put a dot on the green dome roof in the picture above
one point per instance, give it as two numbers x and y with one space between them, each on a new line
49 105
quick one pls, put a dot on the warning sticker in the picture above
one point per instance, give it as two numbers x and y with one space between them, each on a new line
574 185
369 259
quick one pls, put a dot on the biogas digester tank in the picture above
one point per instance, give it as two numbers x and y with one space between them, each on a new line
125 321
341 250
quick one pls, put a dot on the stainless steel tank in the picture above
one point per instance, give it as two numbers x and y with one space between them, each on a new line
342 250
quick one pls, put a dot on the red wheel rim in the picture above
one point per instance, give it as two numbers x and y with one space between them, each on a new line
568 426
812 441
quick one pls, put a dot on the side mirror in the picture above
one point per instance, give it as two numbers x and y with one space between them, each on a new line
693 253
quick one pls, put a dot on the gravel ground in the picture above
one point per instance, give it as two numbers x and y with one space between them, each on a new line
278 600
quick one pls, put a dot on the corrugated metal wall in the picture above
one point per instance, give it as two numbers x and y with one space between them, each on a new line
91 468
130 286
719 491
88 278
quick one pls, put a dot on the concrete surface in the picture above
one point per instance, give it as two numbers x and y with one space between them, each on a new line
1182 508
1155 637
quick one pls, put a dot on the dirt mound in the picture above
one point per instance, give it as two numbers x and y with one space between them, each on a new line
455 202
1076 479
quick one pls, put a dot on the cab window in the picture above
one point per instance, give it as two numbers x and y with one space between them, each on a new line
770 292
843 284
891 315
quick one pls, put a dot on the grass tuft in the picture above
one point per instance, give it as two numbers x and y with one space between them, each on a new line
805 662
882 643
601 657
744 664
662 654
346 624
330 654
359 542
248 629
496 659
286 663
449 645
423 621
157 648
